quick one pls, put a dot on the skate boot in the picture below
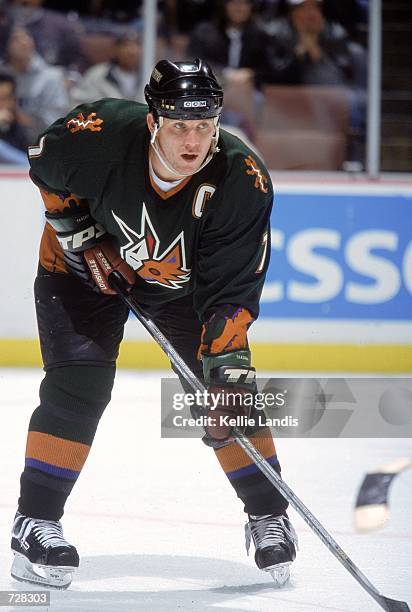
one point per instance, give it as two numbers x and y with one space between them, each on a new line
275 542
41 554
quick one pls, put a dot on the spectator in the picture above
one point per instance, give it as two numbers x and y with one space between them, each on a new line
306 49
120 78
13 137
351 14
55 37
41 91
232 43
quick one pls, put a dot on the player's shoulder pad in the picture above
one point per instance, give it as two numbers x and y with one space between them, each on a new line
245 168
92 130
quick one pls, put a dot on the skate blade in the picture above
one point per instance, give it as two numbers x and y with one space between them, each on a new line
280 573
44 575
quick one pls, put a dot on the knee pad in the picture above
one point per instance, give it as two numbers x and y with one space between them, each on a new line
72 400
84 389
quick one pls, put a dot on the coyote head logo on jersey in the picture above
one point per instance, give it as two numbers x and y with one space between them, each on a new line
142 253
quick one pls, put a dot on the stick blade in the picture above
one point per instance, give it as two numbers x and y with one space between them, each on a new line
372 516
393 605
372 507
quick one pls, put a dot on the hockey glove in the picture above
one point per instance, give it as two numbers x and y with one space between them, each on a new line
227 371
88 252
232 387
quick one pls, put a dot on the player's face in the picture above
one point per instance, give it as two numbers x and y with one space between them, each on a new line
185 144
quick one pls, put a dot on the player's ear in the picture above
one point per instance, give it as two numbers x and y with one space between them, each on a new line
150 122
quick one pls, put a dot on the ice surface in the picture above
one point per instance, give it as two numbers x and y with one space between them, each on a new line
159 528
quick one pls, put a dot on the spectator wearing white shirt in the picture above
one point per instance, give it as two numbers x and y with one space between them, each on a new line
56 38
119 78
41 92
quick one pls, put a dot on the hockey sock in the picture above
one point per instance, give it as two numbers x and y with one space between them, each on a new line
251 486
61 431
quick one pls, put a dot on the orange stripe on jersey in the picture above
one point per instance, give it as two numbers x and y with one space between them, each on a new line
56 451
51 253
168 194
233 336
56 203
232 457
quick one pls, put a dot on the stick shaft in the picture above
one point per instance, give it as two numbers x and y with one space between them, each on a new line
262 464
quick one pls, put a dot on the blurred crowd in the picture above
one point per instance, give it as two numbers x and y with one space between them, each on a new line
55 54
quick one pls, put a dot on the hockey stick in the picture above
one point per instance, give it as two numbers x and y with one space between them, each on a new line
391 605
372 505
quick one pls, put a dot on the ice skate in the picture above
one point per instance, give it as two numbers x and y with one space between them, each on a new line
41 554
275 542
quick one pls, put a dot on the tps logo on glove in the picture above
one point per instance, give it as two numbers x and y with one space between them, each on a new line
76 242
239 375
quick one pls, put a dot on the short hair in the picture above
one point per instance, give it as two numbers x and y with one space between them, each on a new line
128 35
7 77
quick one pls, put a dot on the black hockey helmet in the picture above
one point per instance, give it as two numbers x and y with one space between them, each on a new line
183 90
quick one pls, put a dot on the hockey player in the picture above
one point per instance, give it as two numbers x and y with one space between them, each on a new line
181 211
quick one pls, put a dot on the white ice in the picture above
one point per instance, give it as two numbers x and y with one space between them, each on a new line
158 526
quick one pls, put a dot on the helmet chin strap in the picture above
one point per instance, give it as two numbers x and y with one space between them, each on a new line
213 148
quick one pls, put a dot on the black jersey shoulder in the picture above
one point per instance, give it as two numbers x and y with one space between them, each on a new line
87 142
101 128
246 177
243 162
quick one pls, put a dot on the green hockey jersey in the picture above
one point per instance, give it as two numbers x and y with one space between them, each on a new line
209 236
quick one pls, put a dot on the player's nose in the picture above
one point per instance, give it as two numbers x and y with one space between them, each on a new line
191 140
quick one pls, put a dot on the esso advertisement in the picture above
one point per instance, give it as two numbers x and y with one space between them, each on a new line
340 256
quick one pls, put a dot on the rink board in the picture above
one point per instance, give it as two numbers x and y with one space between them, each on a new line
379 358
338 294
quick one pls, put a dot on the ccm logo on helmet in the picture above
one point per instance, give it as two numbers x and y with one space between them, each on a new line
195 104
